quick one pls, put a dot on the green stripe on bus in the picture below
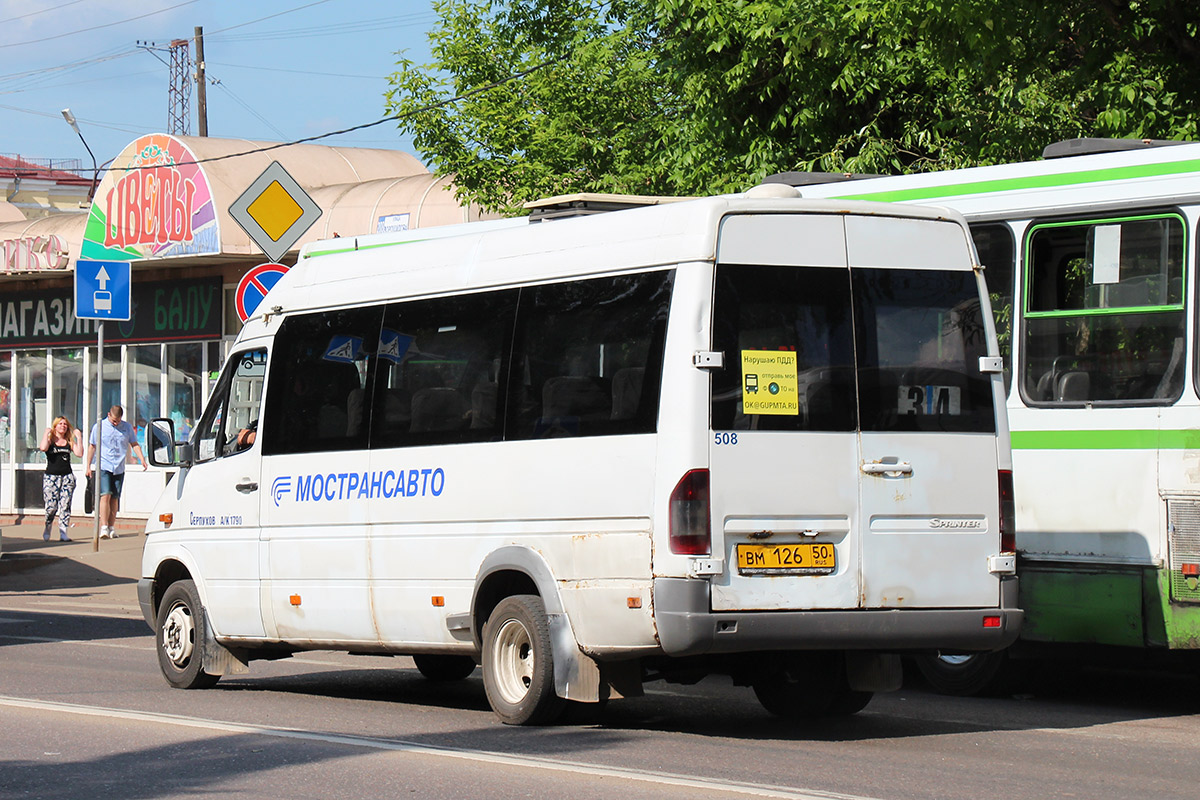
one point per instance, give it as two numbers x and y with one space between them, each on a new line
1031 182
1106 440
316 253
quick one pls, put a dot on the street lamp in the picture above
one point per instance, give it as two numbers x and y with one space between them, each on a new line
70 118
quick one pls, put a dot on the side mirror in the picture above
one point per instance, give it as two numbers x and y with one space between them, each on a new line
164 450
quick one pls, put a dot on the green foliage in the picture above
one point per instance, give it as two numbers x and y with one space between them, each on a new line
703 96
586 117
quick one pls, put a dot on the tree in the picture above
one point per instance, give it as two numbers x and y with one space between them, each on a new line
584 117
703 96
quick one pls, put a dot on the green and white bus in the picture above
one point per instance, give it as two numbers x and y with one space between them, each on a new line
1090 261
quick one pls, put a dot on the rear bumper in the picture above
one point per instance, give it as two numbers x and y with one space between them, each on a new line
687 627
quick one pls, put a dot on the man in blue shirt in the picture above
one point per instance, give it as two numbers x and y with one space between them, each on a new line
114 436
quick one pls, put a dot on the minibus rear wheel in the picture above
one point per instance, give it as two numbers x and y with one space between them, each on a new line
518 667
181 628
443 668
809 686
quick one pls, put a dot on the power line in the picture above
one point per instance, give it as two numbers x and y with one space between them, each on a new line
72 65
41 11
357 26
298 71
101 27
270 16
441 103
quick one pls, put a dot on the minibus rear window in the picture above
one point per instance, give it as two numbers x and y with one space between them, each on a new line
830 349
920 334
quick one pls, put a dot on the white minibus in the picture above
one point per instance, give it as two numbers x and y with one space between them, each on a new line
748 435
1090 258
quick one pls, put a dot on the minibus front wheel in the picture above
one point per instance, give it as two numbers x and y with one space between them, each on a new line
181 627
518 668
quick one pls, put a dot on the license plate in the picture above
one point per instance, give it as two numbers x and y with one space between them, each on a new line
786 559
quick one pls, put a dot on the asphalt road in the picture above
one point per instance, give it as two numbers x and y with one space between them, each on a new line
84 712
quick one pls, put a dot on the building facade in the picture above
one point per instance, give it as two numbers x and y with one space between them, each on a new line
163 205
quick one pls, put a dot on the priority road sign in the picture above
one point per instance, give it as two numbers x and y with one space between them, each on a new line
275 211
254 286
102 290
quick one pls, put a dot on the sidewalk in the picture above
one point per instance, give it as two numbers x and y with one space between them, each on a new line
35 570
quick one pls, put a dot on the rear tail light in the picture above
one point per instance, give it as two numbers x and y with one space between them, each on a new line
690 533
1008 513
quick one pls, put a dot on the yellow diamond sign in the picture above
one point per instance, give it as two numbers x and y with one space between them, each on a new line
275 211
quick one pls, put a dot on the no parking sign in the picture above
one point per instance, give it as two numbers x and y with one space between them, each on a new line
254 286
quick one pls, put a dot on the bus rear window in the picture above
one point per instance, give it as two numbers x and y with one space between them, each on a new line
836 350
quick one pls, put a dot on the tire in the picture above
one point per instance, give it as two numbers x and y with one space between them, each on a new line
443 668
809 687
518 668
180 630
964 676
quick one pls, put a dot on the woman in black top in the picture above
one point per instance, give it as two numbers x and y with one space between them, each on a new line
58 443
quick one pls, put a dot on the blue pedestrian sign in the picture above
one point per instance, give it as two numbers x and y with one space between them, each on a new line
102 290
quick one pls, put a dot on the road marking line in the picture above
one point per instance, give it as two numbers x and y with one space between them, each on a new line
482 756
77 610
92 642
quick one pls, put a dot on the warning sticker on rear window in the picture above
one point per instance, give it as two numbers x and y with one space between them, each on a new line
769 384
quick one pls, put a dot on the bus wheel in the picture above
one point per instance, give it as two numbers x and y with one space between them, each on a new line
848 702
518 668
964 675
443 668
181 629
808 686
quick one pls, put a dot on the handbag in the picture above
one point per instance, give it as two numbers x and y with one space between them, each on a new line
89 495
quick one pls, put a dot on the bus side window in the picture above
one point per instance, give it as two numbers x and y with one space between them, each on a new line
233 408
439 367
319 374
1104 314
589 357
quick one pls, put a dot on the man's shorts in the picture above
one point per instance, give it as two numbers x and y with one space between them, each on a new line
111 483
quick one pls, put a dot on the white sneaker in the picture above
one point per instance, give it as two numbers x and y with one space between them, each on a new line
104 531
112 533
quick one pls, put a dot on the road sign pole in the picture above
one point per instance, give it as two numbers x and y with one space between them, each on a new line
99 432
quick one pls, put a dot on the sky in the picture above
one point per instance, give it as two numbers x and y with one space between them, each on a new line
277 70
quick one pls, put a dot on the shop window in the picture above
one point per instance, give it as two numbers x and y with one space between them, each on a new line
30 408
185 385
67 376
143 373
6 375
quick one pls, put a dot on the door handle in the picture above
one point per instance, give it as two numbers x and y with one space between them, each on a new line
894 468
247 486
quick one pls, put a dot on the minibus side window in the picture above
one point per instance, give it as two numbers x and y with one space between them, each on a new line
800 311
230 423
588 357
439 369
316 395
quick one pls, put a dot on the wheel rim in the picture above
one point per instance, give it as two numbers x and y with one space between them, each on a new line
514 661
954 661
179 635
